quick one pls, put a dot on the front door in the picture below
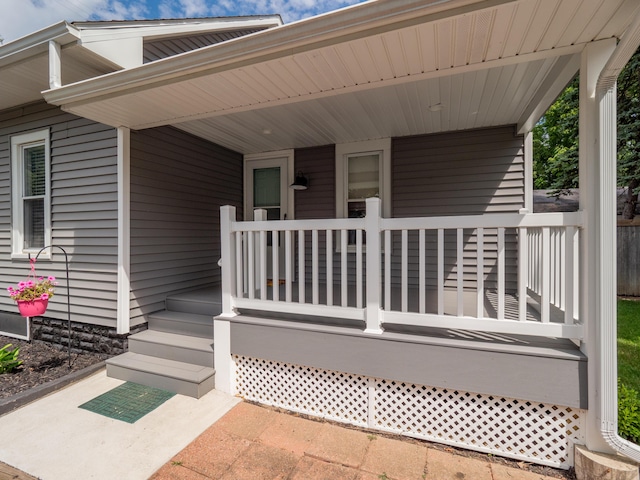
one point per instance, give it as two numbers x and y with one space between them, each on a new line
267 180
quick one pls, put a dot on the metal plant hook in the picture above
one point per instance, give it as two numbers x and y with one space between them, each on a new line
66 262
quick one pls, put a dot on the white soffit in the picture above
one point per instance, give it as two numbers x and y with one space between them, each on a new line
484 66
23 81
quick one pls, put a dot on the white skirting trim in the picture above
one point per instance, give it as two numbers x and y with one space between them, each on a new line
530 431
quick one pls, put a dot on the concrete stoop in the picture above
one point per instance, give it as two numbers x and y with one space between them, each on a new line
600 466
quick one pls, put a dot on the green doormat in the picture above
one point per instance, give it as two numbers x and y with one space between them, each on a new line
129 402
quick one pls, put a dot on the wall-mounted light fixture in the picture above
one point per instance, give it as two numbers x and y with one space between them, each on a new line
300 183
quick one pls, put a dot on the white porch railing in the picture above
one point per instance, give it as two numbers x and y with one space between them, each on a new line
481 272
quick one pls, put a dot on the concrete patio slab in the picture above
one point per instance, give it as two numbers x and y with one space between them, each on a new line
52 438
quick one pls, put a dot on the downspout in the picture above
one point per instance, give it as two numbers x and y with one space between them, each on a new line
606 92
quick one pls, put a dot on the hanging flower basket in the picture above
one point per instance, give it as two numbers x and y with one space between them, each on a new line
32 295
33 308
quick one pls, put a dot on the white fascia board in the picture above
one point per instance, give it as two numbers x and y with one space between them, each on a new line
123 44
169 28
351 23
37 43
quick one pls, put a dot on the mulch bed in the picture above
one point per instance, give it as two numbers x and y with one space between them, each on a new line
42 363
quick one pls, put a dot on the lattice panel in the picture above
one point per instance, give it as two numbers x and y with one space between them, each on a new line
506 426
323 393
514 428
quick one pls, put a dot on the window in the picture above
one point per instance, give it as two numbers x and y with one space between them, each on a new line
30 180
362 171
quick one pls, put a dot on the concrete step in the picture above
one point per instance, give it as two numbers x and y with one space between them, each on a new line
172 346
182 323
180 377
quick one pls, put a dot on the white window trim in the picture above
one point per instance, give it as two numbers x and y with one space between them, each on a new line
18 142
343 151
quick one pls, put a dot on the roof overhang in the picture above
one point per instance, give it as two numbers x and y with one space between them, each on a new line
24 64
377 69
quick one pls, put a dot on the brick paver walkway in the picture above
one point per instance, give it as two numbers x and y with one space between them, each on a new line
252 442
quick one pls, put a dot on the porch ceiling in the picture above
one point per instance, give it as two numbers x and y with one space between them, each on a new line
375 70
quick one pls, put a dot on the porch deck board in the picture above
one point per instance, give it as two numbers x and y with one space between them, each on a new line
534 345
450 301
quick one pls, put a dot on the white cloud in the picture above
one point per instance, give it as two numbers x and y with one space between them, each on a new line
21 17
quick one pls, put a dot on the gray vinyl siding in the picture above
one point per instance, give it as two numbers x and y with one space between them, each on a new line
178 183
318 164
83 212
166 47
461 173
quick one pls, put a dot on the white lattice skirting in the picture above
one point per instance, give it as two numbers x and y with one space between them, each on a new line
509 427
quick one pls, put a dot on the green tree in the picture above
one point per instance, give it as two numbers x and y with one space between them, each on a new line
555 144
555 139
629 133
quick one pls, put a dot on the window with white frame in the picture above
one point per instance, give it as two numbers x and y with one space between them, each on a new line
30 185
363 170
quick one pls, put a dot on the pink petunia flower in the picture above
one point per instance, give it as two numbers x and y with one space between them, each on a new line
22 284
44 296
51 278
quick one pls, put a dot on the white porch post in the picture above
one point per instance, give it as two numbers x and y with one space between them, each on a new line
225 380
372 227
597 201
123 315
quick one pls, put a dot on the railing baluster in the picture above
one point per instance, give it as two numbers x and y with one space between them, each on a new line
252 266
501 273
404 289
359 268
263 265
388 247
329 265
422 271
343 268
524 279
314 268
301 267
480 272
245 256
288 265
562 250
275 260
440 271
240 265
460 270
569 275
545 274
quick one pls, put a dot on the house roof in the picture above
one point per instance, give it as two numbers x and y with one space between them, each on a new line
91 49
378 69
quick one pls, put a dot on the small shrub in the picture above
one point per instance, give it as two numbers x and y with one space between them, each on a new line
628 413
9 359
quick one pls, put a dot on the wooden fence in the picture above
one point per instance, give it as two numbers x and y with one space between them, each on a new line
629 260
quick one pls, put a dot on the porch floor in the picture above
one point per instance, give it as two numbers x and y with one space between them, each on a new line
212 296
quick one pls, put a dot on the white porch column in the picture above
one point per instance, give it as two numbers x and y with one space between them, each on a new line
528 173
597 201
374 271
225 380
123 314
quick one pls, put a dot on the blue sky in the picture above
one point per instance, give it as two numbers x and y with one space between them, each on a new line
21 17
